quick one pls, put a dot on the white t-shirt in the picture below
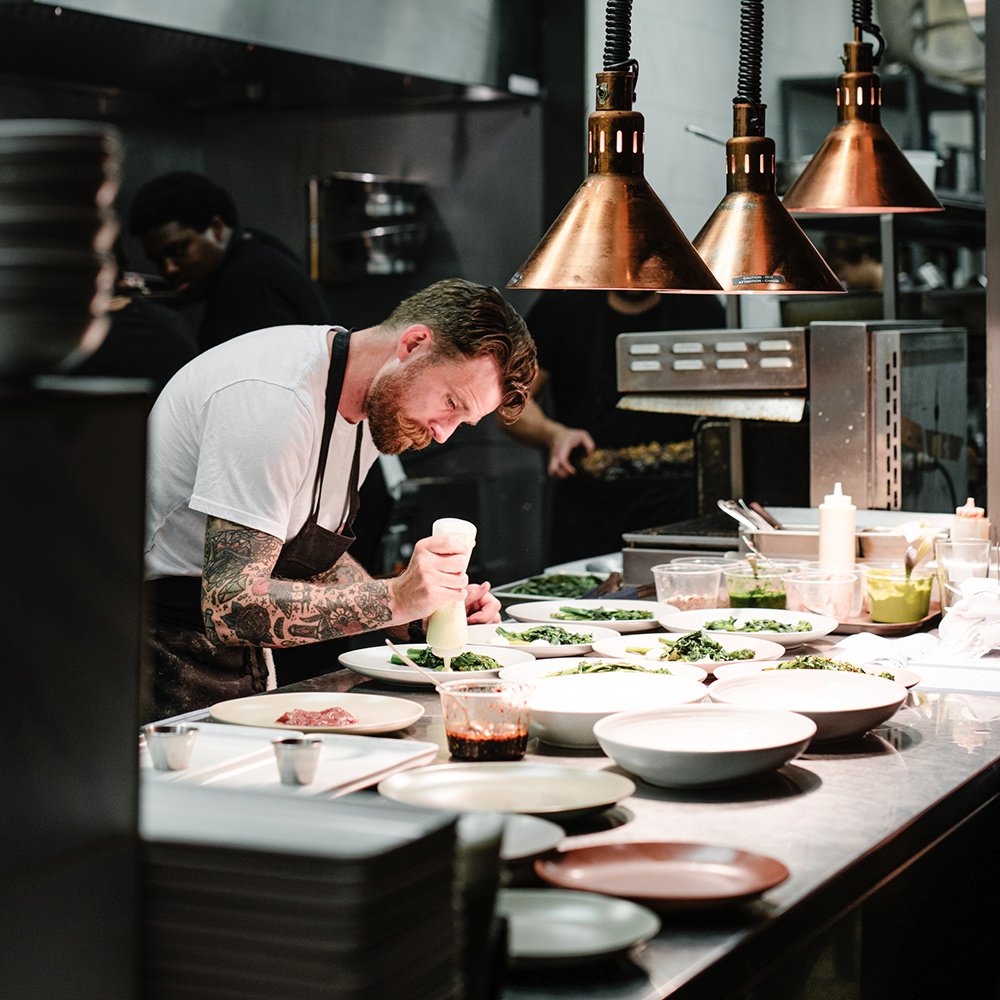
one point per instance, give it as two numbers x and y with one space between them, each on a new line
236 433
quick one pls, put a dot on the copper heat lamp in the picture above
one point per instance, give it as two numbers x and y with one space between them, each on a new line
615 233
750 242
859 169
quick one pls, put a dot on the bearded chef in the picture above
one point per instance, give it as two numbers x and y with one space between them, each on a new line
256 451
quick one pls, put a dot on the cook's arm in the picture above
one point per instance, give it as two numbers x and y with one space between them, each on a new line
243 604
536 428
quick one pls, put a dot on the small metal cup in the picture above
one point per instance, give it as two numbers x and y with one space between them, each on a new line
170 745
298 757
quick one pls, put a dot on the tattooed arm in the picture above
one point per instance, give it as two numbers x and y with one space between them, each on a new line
244 604
346 570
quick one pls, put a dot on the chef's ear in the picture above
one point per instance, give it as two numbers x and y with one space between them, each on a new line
414 340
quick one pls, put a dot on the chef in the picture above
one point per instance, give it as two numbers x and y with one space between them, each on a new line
256 451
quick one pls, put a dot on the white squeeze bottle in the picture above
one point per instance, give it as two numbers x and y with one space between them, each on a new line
447 628
970 522
837 542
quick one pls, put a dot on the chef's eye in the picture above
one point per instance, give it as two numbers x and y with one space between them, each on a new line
451 402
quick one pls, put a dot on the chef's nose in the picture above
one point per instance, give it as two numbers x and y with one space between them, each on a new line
443 429
169 267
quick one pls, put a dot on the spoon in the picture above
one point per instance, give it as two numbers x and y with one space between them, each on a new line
473 726
410 663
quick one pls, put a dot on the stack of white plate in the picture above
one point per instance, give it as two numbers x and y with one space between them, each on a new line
263 899
58 180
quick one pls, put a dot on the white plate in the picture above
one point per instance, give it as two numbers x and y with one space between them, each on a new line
346 763
522 787
560 926
542 611
375 662
843 705
763 649
565 709
533 671
528 836
700 745
738 669
484 635
691 621
376 713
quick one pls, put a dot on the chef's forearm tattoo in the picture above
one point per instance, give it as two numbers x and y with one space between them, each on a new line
346 570
244 605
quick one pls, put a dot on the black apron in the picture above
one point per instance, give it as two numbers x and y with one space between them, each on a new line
191 671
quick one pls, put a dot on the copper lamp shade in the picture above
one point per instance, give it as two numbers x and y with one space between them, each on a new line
615 233
750 242
859 169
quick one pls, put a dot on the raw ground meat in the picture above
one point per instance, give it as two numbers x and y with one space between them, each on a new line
333 716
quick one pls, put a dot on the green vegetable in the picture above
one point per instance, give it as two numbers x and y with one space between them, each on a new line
464 661
554 634
756 625
557 585
700 646
599 614
824 663
601 667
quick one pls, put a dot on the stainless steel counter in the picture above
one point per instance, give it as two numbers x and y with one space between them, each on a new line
890 841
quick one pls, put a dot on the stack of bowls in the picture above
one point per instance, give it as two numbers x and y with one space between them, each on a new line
58 180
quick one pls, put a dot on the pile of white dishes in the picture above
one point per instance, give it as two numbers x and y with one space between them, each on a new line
58 180
843 705
254 898
565 709
703 745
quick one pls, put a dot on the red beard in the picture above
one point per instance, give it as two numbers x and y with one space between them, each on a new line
392 431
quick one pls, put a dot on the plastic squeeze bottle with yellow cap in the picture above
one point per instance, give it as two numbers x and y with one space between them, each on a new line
970 522
837 542
448 627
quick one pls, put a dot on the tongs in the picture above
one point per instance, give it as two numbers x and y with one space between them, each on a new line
739 510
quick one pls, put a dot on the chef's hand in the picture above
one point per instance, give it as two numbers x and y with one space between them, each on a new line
435 575
481 607
564 440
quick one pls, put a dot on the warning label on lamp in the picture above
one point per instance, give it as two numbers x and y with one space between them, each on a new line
759 279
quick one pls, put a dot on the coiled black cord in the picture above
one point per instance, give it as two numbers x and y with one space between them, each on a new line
618 39
861 11
617 34
751 51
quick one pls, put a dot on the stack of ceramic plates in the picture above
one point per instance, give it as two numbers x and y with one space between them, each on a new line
58 180
301 898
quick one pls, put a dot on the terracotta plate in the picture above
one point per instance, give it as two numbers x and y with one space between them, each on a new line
665 876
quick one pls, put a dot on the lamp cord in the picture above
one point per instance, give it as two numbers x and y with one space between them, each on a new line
862 13
617 33
618 39
751 50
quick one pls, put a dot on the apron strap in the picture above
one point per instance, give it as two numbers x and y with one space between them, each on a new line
334 386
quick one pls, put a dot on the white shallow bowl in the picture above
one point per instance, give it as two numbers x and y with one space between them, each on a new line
376 662
564 709
701 745
763 649
691 621
530 672
543 611
843 705
740 668
486 635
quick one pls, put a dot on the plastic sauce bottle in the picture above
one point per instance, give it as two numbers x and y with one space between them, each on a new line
970 522
448 627
837 541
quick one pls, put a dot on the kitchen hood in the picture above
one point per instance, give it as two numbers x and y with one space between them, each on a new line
434 50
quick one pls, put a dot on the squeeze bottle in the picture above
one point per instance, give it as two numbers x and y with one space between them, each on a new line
837 542
447 628
970 522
